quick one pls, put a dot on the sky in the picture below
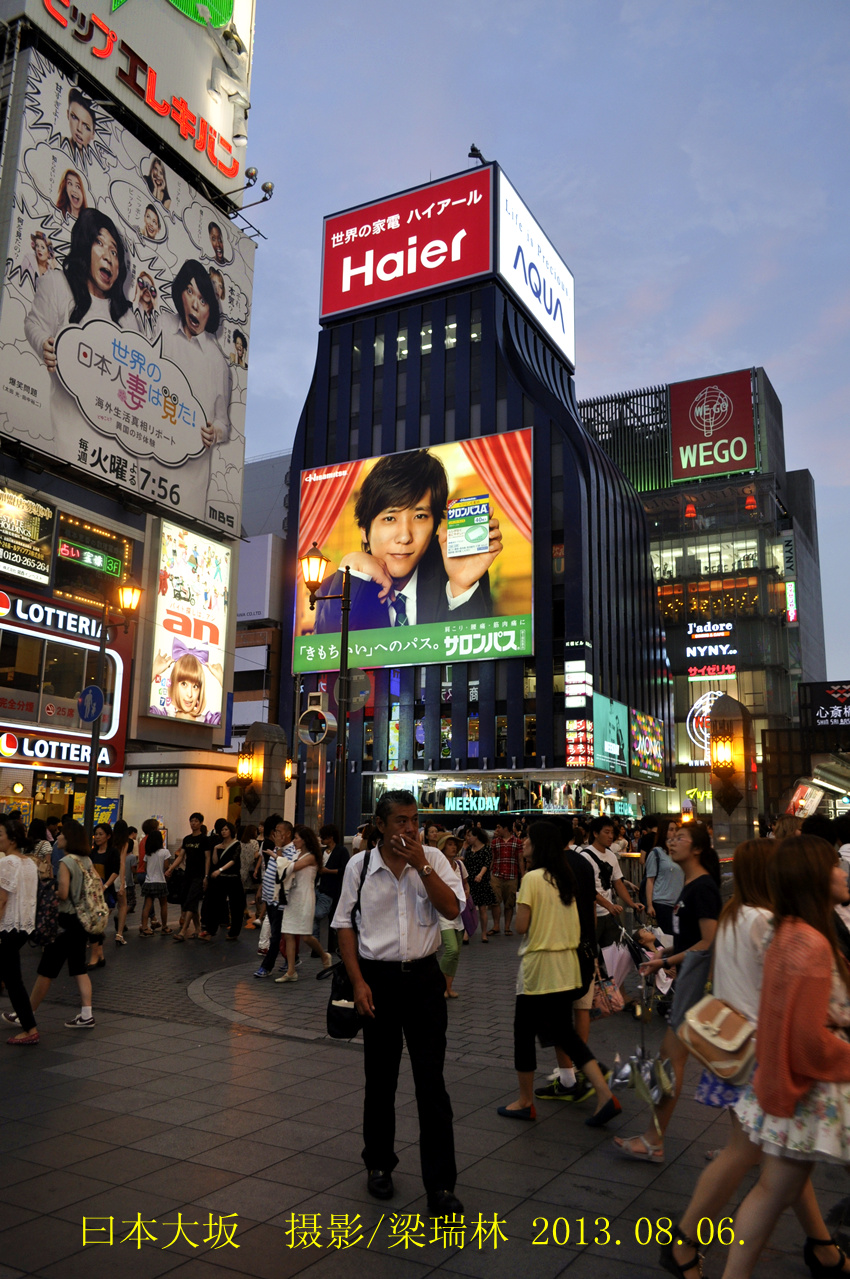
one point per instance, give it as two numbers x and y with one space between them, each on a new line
689 160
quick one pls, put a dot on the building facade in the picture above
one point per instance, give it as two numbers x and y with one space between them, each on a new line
465 369
734 547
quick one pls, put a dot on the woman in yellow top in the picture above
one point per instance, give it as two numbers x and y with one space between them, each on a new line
549 975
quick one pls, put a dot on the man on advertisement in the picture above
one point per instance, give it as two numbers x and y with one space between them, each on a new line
404 574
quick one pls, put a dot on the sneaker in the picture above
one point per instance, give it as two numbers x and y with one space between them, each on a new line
298 962
582 1088
80 1023
12 1019
262 972
556 1091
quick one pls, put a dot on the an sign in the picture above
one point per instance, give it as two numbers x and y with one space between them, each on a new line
421 239
535 272
825 705
26 536
89 558
610 735
646 741
187 79
190 628
712 427
579 743
90 704
141 384
411 602
156 777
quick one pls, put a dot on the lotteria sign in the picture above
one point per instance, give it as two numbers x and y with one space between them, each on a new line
712 426
421 239
31 751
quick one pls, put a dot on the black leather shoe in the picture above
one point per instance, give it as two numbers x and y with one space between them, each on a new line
444 1203
380 1184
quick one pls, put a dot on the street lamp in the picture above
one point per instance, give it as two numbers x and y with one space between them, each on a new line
129 598
245 763
314 566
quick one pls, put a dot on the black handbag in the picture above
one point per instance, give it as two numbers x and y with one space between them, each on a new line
342 1019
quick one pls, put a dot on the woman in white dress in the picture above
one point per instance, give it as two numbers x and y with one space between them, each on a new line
300 885
18 892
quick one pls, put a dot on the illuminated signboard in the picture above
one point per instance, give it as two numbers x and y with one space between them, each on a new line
421 239
88 558
579 740
142 391
26 536
460 602
535 273
825 705
712 428
610 735
646 741
710 639
698 722
711 670
791 602
186 78
190 628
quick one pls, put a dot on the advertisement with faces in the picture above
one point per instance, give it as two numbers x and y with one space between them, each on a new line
125 320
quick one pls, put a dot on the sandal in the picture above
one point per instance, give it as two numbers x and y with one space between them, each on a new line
166 932
119 939
145 932
179 937
692 1269
509 932
484 937
817 1269
649 1154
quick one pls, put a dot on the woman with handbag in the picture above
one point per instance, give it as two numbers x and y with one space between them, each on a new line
550 977
451 930
743 931
298 913
694 925
796 1108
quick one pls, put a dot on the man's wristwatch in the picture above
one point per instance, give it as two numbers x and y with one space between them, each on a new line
425 871
665 964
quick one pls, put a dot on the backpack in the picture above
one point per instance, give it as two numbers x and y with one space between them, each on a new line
91 908
606 871
46 914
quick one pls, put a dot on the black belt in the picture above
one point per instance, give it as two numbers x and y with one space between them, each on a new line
399 965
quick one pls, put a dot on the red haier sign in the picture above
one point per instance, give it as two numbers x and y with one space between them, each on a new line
712 428
423 239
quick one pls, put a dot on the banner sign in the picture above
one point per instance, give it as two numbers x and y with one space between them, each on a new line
190 628
422 239
825 705
610 735
646 740
26 536
125 319
712 428
417 596
535 273
182 67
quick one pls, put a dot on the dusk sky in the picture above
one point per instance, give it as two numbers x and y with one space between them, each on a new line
690 161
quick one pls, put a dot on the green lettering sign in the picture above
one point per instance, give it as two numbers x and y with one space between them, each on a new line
219 12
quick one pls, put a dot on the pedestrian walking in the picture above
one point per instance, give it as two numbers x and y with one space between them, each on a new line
477 858
155 886
18 895
223 889
451 930
298 913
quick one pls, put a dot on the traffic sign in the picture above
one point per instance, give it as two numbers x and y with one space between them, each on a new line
90 704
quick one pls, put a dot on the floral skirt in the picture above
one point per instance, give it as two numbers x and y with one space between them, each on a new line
818 1131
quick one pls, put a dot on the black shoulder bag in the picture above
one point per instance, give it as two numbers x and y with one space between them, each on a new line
343 1019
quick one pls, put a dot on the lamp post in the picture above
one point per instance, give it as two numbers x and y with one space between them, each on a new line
129 597
314 566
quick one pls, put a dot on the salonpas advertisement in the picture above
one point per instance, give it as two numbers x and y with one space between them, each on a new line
438 542
190 628
125 321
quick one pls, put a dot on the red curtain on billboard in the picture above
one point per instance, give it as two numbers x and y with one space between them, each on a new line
504 462
322 503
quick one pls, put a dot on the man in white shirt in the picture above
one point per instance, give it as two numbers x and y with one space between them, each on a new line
609 880
399 990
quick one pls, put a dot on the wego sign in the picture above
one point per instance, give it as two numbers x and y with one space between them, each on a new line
712 426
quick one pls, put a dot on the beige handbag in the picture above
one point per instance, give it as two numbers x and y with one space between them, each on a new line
721 1038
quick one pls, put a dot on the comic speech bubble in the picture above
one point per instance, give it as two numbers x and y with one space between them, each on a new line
130 392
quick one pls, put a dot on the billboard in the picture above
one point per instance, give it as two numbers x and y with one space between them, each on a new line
712 427
646 747
535 273
26 536
610 735
421 239
421 591
825 705
183 68
125 322
190 628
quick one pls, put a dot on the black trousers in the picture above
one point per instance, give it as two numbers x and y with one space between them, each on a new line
270 958
222 893
10 974
410 1006
548 1018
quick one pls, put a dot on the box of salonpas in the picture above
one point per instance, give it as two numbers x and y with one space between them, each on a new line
468 525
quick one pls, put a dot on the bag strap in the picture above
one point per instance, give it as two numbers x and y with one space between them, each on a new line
364 870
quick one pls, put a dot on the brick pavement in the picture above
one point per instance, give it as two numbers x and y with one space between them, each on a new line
204 1091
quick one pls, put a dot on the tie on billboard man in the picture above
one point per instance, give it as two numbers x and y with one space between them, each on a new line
403 575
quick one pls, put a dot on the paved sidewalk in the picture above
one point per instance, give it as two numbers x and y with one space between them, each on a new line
205 1092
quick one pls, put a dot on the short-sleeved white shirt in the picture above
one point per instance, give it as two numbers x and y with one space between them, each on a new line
19 878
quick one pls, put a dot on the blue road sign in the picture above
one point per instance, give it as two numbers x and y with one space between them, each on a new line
90 704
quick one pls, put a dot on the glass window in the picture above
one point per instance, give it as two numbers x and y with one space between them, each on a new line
392 744
401 344
451 330
501 734
426 339
368 738
379 347
419 738
20 675
472 737
530 734
446 737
